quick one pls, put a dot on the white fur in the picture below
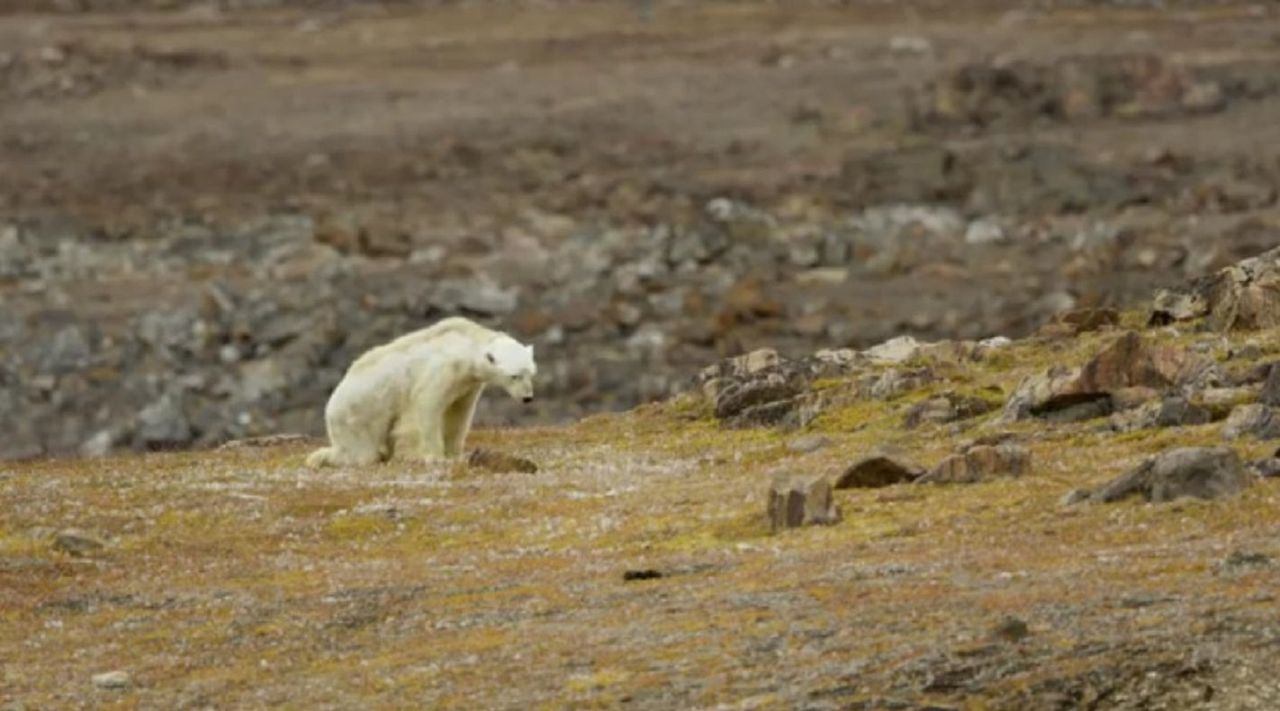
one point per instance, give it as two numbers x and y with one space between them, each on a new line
415 396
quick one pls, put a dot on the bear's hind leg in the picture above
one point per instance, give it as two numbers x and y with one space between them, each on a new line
356 443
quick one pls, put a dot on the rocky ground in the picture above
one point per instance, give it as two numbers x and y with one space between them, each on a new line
1086 518
208 209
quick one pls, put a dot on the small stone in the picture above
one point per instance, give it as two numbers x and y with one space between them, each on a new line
894 350
112 680
500 462
646 574
808 443
1243 559
1073 497
876 471
77 543
1010 629
797 500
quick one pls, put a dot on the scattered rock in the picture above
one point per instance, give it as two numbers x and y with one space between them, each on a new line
1073 497
1259 421
894 351
1246 559
1268 468
646 574
1010 629
979 463
113 680
500 462
77 543
1243 296
808 443
1075 394
1270 394
948 407
1173 411
1199 472
875 471
274 440
799 500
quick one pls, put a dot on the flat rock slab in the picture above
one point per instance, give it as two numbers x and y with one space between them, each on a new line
979 463
1198 472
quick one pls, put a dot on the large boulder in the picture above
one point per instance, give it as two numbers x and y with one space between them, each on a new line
800 500
1130 361
1243 296
1199 472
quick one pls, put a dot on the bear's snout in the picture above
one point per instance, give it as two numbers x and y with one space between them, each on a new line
527 399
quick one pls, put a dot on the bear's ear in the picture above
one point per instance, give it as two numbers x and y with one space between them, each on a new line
489 356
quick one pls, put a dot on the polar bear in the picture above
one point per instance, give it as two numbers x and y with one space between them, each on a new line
415 396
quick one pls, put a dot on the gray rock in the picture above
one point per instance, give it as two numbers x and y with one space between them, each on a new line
979 463
1270 394
1073 497
113 680
1256 420
76 543
500 462
1199 472
163 424
799 500
893 351
808 443
875 471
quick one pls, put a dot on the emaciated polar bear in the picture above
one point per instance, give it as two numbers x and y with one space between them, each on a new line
415 396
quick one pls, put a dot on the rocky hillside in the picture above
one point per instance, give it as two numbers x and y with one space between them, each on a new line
1085 518
637 198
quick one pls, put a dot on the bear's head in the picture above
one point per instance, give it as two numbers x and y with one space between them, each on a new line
509 364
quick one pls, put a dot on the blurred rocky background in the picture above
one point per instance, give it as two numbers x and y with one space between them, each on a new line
208 209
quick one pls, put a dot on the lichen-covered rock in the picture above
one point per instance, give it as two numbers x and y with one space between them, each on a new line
1199 472
875 471
1174 411
981 462
1243 296
801 500
1130 361
1256 420
948 407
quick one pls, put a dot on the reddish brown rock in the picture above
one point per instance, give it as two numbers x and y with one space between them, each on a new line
799 500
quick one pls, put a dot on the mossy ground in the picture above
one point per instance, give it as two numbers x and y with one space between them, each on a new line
239 579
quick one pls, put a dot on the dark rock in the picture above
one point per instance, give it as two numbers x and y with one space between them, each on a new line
1010 629
1169 412
500 462
797 500
646 574
876 471
979 463
1199 472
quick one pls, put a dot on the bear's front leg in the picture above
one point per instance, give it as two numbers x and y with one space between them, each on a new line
427 407
457 421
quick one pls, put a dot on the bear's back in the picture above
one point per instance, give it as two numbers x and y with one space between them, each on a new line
457 326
